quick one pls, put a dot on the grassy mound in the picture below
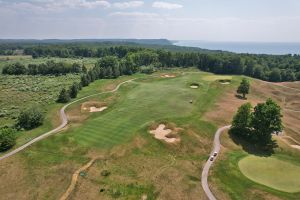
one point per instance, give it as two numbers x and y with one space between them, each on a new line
272 172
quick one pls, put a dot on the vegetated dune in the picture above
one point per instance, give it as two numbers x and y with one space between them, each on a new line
288 99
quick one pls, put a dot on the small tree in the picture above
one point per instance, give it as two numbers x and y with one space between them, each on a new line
244 88
241 121
64 96
266 120
30 118
84 80
7 138
74 90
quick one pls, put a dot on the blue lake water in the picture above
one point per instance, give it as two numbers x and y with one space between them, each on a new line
244 47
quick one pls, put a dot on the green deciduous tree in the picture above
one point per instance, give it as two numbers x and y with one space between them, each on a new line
244 88
30 118
64 96
7 138
242 119
266 120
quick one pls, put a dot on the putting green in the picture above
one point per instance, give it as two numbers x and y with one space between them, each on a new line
274 173
217 77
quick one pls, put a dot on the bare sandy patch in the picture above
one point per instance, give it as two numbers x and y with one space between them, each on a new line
162 133
194 86
296 146
168 76
94 109
225 81
289 141
94 106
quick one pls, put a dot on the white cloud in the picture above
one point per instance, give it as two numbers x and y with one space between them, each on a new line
129 4
56 5
61 5
166 5
93 4
135 14
77 4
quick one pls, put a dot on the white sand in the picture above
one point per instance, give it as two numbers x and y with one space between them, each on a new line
226 83
161 133
194 86
168 76
94 109
295 146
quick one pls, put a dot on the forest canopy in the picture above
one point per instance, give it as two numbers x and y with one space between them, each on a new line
273 68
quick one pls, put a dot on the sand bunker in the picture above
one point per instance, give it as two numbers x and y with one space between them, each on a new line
161 133
295 146
225 81
168 76
291 141
94 109
194 86
93 106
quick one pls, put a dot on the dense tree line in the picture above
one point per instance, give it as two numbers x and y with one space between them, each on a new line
78 51
273 68
48 68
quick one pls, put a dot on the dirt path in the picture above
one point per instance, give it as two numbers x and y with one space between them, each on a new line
64 122
75 178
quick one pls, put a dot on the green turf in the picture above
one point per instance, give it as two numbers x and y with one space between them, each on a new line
144 102
272 172
229 178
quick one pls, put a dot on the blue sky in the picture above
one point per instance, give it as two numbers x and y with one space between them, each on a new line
210 20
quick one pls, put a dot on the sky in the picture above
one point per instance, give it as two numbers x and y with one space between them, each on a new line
207 20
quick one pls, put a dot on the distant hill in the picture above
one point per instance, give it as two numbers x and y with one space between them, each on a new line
62 41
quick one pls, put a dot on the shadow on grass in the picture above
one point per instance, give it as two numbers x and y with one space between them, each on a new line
254 149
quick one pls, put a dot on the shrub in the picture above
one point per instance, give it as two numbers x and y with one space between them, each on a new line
7 138
30 118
